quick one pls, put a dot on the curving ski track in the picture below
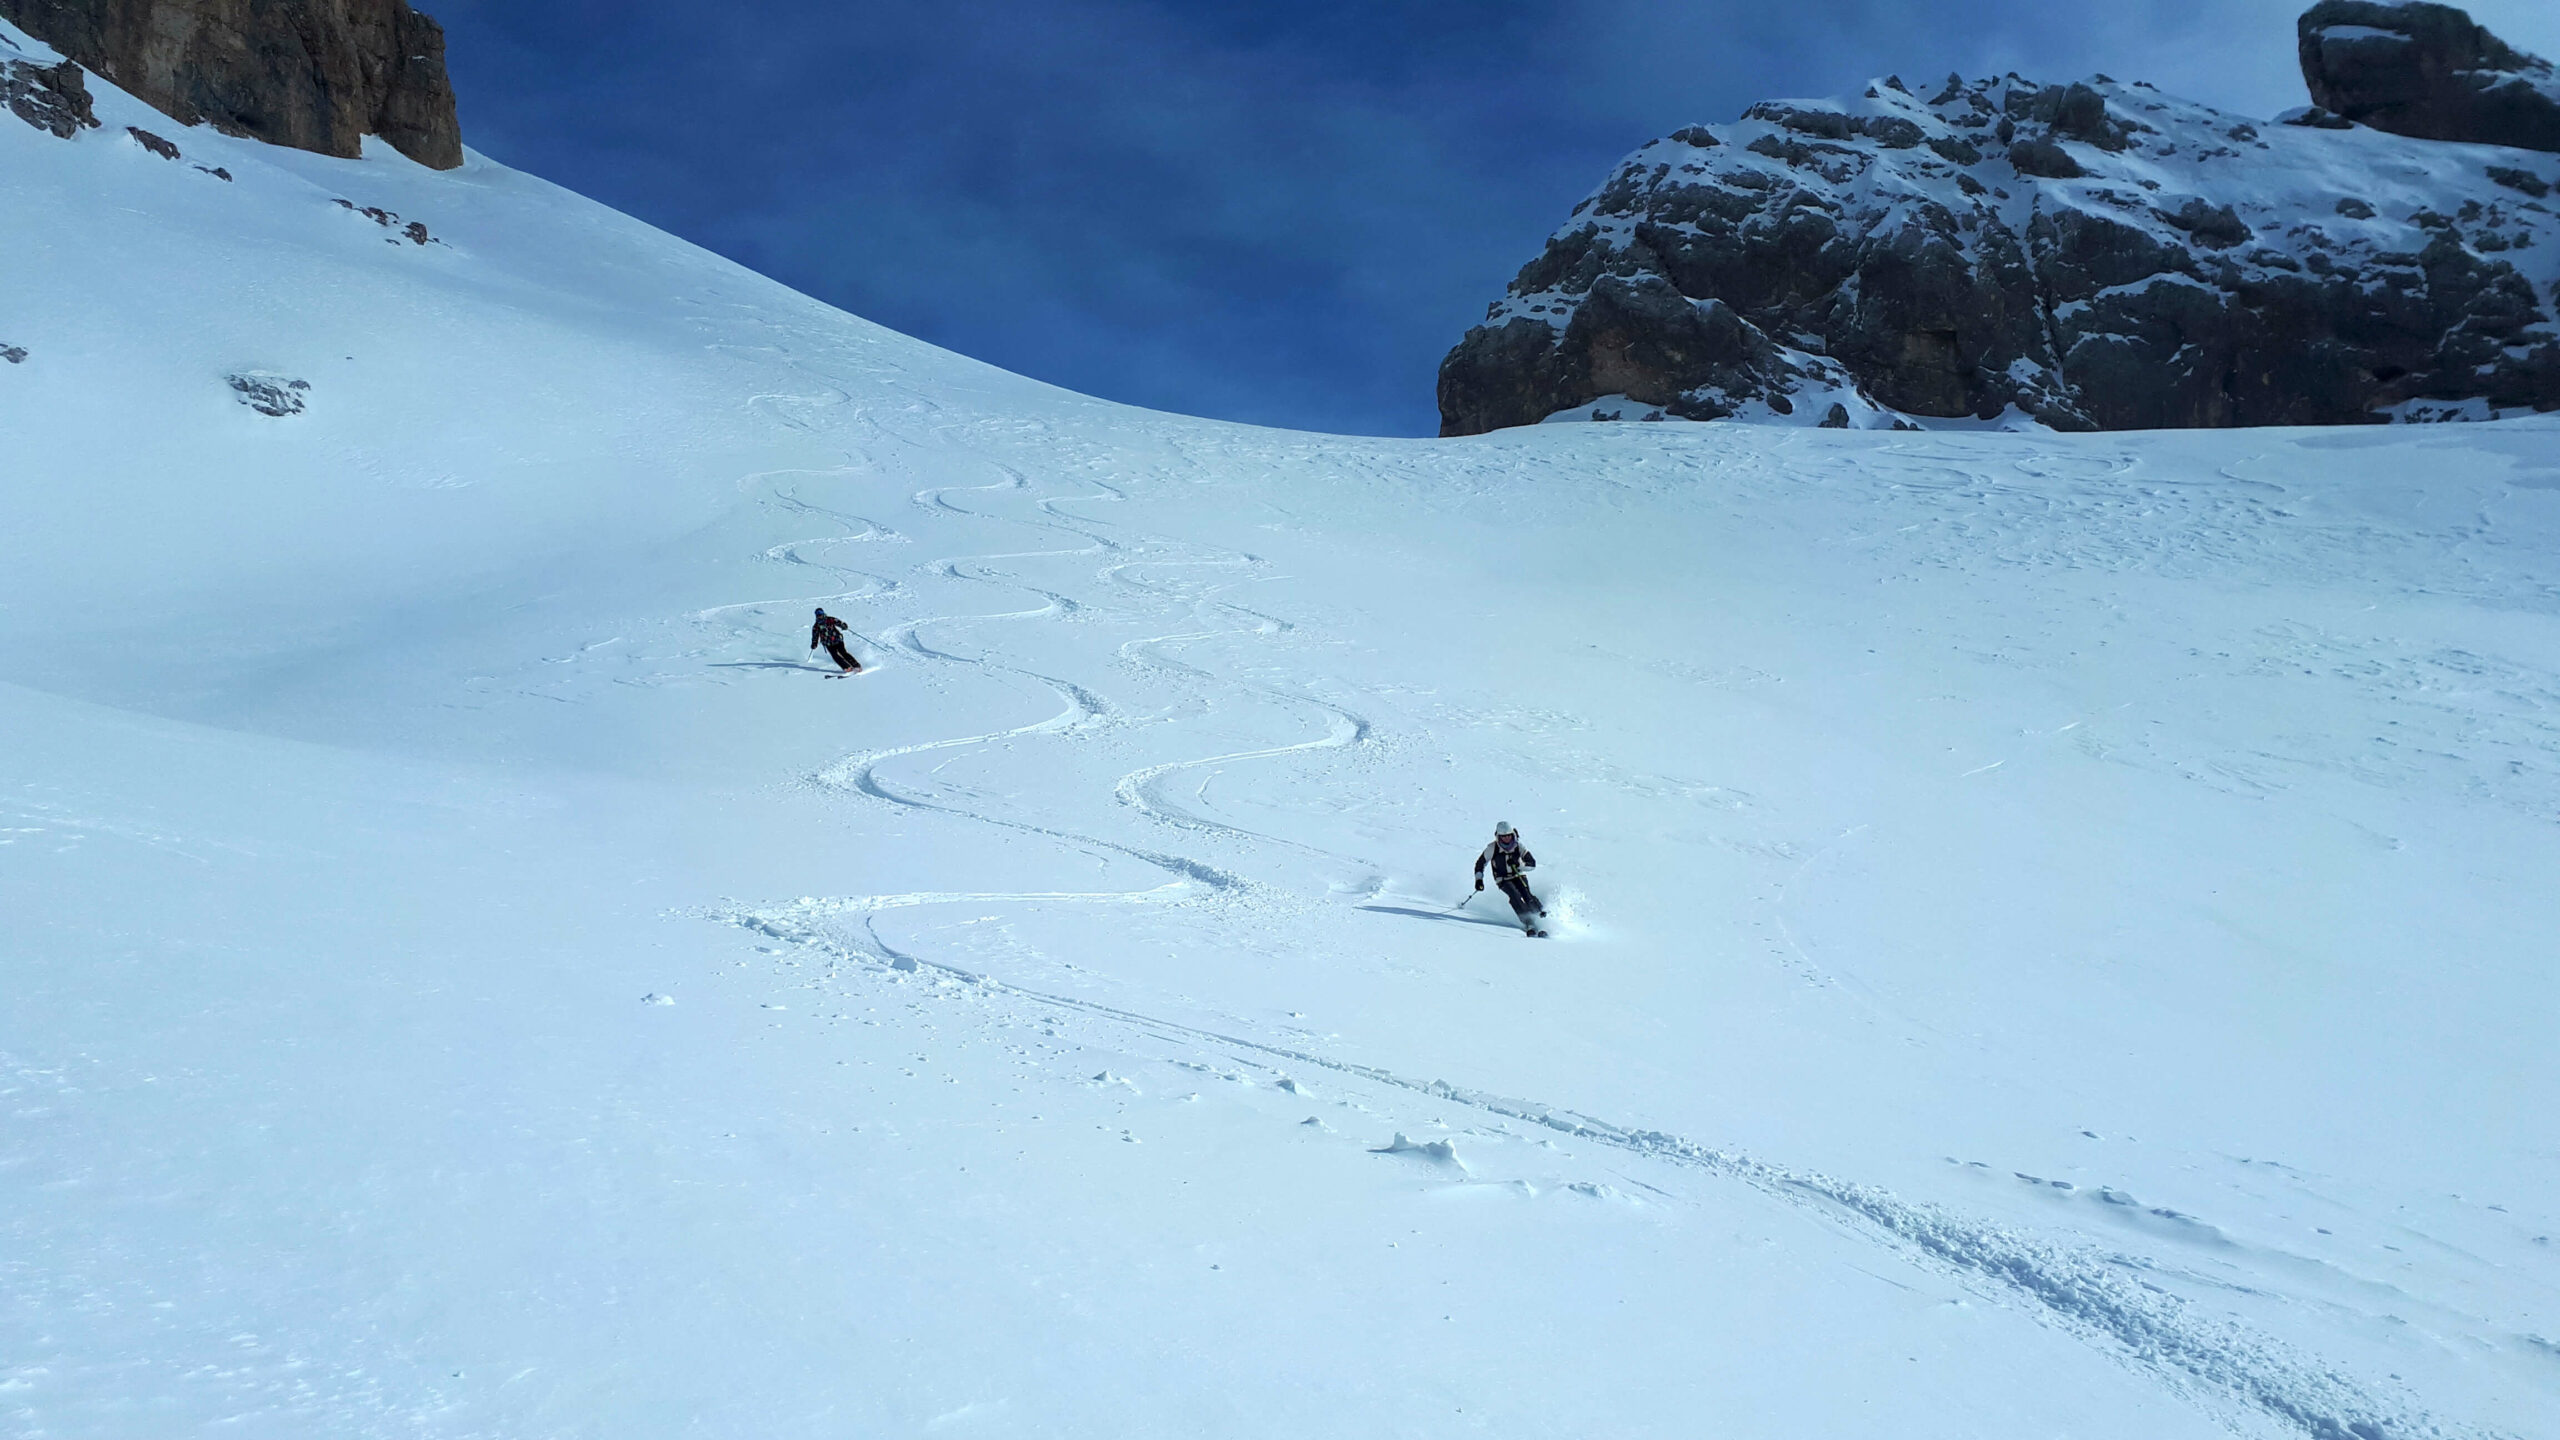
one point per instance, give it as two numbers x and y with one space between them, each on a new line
1082 707
2099 1296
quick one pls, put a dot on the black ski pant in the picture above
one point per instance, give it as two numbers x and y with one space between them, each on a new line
1515 888
843 657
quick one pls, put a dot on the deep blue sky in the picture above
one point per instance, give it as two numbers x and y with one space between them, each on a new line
1281 213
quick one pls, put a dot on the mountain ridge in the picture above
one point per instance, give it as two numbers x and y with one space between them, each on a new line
2093 255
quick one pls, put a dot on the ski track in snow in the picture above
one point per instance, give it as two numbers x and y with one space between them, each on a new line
1141 789
147 1301
1083 709
2102 1297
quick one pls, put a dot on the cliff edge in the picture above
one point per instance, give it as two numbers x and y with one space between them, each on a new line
313 74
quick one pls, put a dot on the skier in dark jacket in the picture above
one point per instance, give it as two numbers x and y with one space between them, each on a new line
1509 859
829 631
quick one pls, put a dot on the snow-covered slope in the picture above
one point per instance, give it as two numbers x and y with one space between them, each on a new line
2052 932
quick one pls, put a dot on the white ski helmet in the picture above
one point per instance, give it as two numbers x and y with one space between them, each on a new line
1503 827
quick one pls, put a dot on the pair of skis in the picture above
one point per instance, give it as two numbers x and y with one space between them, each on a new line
1528 931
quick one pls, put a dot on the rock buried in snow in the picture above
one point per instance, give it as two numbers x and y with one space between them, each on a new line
269 394
654 998
1439 1152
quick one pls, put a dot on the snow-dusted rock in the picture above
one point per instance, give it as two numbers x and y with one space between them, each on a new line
2092 255
275 395
52 98
2426 71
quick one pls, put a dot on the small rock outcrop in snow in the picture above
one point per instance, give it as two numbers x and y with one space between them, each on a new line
53 98
313 74
2092 255
276 395
2426 71
415 230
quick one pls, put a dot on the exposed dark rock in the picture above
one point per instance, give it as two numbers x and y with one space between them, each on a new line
1819 264
166 150
218 172
1508 374
277 395
52 98
415 230
14 354
2524 180
2039 156
313 74
2074 111
2426 71
2212 226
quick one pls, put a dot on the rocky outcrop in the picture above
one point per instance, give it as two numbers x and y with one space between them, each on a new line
52 98
415 231
313 74
2090 255
274 395
2426 71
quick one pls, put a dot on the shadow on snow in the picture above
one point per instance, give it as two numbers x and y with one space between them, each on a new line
1443 915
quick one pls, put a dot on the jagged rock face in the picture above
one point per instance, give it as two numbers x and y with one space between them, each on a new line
2426 71
313 74
2091 255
